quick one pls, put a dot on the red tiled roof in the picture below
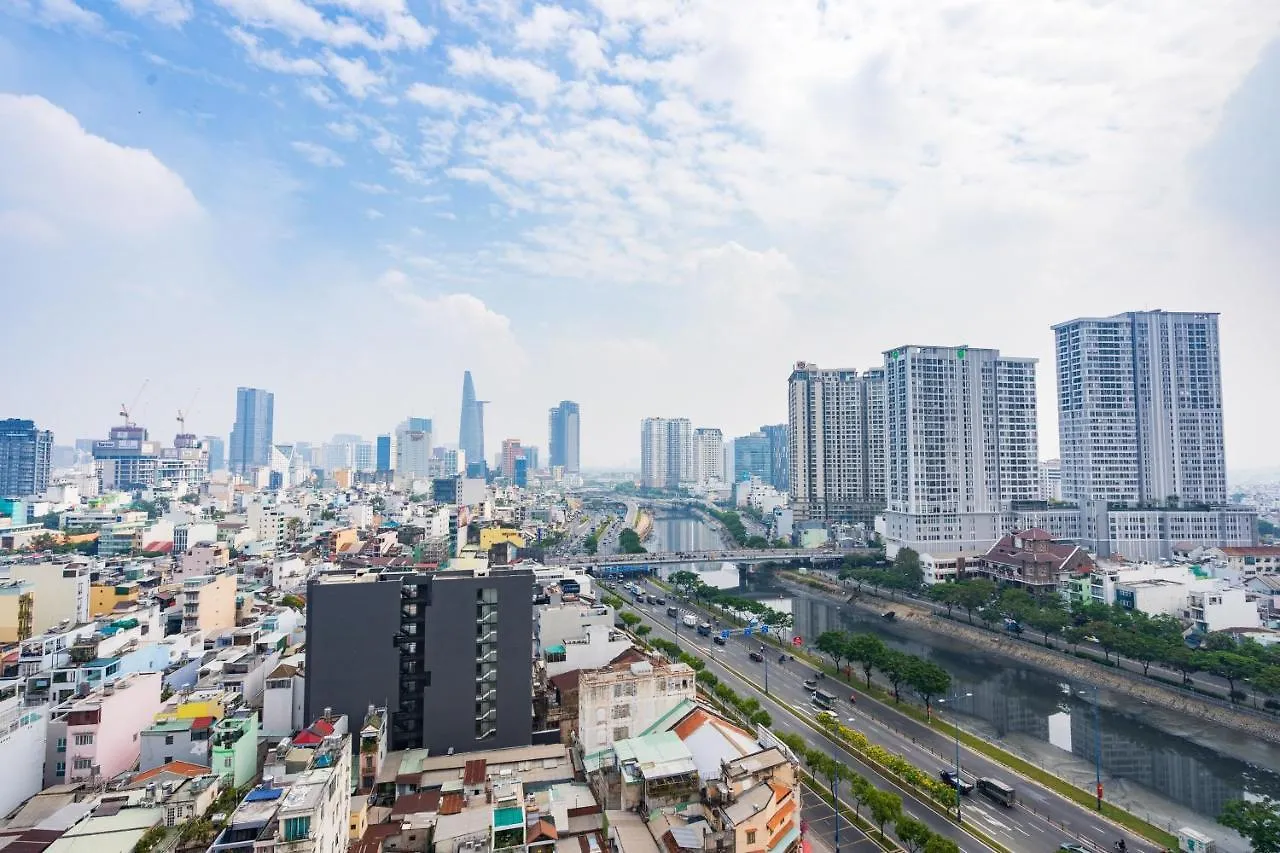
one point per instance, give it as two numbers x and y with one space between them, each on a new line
542 830
176 768
202 723
630 655
452 803
1255 551
473 771
314 733
565 681
160 547
423 801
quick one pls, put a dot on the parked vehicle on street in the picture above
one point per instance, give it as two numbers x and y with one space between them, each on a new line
757 657
718 640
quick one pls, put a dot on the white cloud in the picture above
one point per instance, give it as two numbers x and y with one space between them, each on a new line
460 313
56 13
299 20
318 155
520 75
173 13
272 59
354 75
371 189
545 26
60 178
586 50
344 130
441 98
373 213
319 93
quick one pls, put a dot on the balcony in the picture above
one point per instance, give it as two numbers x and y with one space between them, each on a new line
486 638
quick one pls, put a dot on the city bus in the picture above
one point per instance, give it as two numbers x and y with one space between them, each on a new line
824 700
998 791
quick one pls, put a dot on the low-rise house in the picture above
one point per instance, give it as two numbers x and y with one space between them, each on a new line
233 752
186 739
1030 559
95 737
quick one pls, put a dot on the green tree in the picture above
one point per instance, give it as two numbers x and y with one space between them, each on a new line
1016 603
867 650
860 791
945 593
708 678
629 542
1074 635
49 521
974 594
895 666
1233 667
940 844
1048 620
1257 821
833 644
643 630
914 834
1183 660
990 615
886 807
928 680
293 602
149 840
906 564
629 619
685 581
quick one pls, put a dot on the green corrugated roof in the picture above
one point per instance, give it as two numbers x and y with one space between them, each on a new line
670 718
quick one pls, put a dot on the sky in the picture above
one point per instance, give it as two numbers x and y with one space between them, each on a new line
653 207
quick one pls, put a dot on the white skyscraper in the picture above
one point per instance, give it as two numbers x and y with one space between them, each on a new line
837 443
961 445
666 452
708 455
413 449
1140 408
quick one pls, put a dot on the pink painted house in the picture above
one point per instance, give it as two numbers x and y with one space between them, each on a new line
97 737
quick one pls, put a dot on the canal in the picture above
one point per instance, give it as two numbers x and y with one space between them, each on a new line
1164 766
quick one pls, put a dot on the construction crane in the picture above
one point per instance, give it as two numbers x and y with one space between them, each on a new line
183 412
125 410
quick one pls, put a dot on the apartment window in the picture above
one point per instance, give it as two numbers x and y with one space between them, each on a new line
62 744
297 828
82 763
167 759
751 836
84 740
60 769
621 733
621 711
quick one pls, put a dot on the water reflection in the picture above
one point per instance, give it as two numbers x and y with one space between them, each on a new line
1010 700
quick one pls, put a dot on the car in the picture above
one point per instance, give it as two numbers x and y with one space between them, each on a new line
718 640
810 685
757 657
1073 848
659 601
960 781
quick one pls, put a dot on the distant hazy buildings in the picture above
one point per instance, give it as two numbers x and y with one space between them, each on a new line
413 448
751 458
779 455
511 451
563 433
127 458
708 455
25 458
1140 408
666 452
1051 480
837 443
471 423
254 427
217 447
961 444
385 454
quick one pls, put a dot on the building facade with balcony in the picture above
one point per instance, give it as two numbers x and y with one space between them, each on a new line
209 603
448 652
95 738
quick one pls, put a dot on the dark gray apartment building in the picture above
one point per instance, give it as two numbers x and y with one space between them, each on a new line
24 458
448 653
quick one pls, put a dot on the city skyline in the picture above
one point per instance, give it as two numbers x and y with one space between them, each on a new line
869 179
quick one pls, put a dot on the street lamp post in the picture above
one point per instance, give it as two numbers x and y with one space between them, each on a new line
956 727
1097 743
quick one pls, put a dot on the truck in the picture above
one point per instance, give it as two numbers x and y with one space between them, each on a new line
704 630
689 620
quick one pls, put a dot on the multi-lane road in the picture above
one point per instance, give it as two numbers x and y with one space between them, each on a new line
1043 820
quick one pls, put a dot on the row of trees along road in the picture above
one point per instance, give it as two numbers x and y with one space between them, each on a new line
926 678
1123 633
690 585
883 807
1119 632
